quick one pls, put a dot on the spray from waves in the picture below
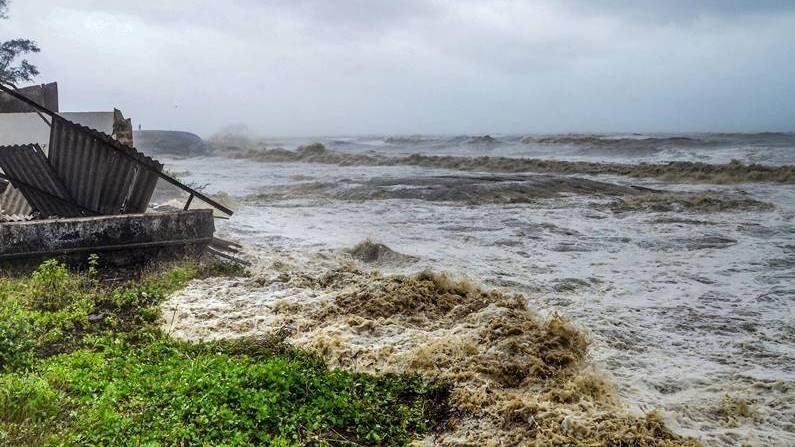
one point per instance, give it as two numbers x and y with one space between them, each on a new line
517 378
681 171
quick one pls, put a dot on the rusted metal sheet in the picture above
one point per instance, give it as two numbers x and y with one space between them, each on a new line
27 169
100 173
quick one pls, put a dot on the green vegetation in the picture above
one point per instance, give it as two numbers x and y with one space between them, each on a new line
83 362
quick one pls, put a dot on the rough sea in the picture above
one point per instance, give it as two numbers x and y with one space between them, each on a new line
685 288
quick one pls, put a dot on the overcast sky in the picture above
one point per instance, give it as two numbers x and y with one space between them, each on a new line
341 67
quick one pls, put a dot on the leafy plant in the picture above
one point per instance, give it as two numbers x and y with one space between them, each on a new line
52 287
170 393
17 336
86 364
10 51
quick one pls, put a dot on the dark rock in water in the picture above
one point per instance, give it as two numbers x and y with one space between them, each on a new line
371 252
170 142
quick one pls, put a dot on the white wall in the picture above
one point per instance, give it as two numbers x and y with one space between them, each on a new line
28 128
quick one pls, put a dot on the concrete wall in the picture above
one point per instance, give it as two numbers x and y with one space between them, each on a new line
13 205
28 128
23 128
44 94
118 240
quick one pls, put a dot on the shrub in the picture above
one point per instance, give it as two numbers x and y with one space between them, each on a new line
27 398
29 409
17 336
87 365
52 287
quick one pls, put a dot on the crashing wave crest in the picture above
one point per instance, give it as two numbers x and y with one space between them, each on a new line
517 378
687 171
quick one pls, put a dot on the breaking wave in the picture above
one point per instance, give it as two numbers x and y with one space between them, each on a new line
685 171
496 189
618 142
699 202
636 142
373 252
517 378
472 190
685 302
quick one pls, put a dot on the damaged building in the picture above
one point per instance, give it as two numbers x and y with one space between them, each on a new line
73 184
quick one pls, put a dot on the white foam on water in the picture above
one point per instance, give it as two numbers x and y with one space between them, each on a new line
689 312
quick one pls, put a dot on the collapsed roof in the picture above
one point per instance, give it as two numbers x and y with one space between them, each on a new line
83 172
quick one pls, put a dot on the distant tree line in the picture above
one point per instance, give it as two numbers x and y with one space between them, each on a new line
13 68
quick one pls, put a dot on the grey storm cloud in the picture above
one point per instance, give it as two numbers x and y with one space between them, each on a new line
311 67
657 10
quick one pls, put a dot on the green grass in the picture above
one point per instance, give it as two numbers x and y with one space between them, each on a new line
84 363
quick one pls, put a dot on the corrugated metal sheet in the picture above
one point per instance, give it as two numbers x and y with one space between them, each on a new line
13 205
100 173
28 170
